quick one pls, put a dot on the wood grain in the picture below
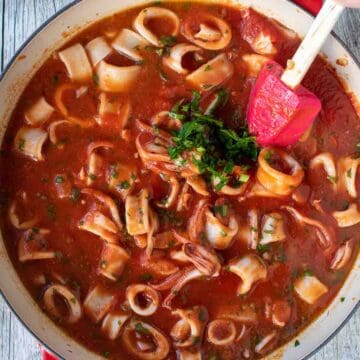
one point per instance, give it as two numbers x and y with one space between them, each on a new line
18 19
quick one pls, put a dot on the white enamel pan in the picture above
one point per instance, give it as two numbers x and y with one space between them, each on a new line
27 61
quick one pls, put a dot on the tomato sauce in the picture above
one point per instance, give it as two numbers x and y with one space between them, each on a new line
158 88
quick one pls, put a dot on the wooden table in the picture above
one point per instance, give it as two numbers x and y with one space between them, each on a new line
19 18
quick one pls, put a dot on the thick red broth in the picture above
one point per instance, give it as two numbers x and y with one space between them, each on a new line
142 216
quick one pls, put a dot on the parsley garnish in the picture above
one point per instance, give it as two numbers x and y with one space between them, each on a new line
146 277
168 40
262 248
59 179
297 343
332 179
96 79
124 185
221 209
139 328
215 148
75 194
51 210
202 315
21 144
308 272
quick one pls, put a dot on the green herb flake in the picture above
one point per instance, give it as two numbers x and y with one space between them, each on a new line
95 79
75 194
214 149
342 299
349 173
139 328
186 6
221 209
195 340
55 80
59 179
92 177
106 354
267 156
223 233
207 68
332 179
308 272
345 204
297 343
207 86
21 144
113 172
124 185
262 248
146 277
168 40
244 178
202 315
51 211
58 255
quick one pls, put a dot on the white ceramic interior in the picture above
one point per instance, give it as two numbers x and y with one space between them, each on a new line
31 57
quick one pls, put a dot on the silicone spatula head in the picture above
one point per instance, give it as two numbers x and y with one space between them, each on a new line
278 115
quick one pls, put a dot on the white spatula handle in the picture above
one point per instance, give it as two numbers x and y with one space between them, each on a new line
312 43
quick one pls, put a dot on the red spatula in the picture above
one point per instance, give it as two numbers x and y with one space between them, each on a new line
280 109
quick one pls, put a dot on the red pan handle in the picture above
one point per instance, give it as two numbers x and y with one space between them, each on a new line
45 355
313 6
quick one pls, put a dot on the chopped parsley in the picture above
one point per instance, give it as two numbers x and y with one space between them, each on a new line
262 248
96 79
51 211
221 209
244 178
267 156
146 277
223 233
186 6
59 179
207 68
168 40
75 194
215 148
195 340
21 144
113 172
349 173
297 343
308 272
55 79
140 329
202 315
342 299
332 179
124 185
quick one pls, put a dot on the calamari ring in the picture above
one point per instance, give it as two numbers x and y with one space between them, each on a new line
275 180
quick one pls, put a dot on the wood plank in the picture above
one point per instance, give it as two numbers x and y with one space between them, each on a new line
18 19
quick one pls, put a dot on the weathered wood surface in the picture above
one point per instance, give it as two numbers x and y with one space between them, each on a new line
18 19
